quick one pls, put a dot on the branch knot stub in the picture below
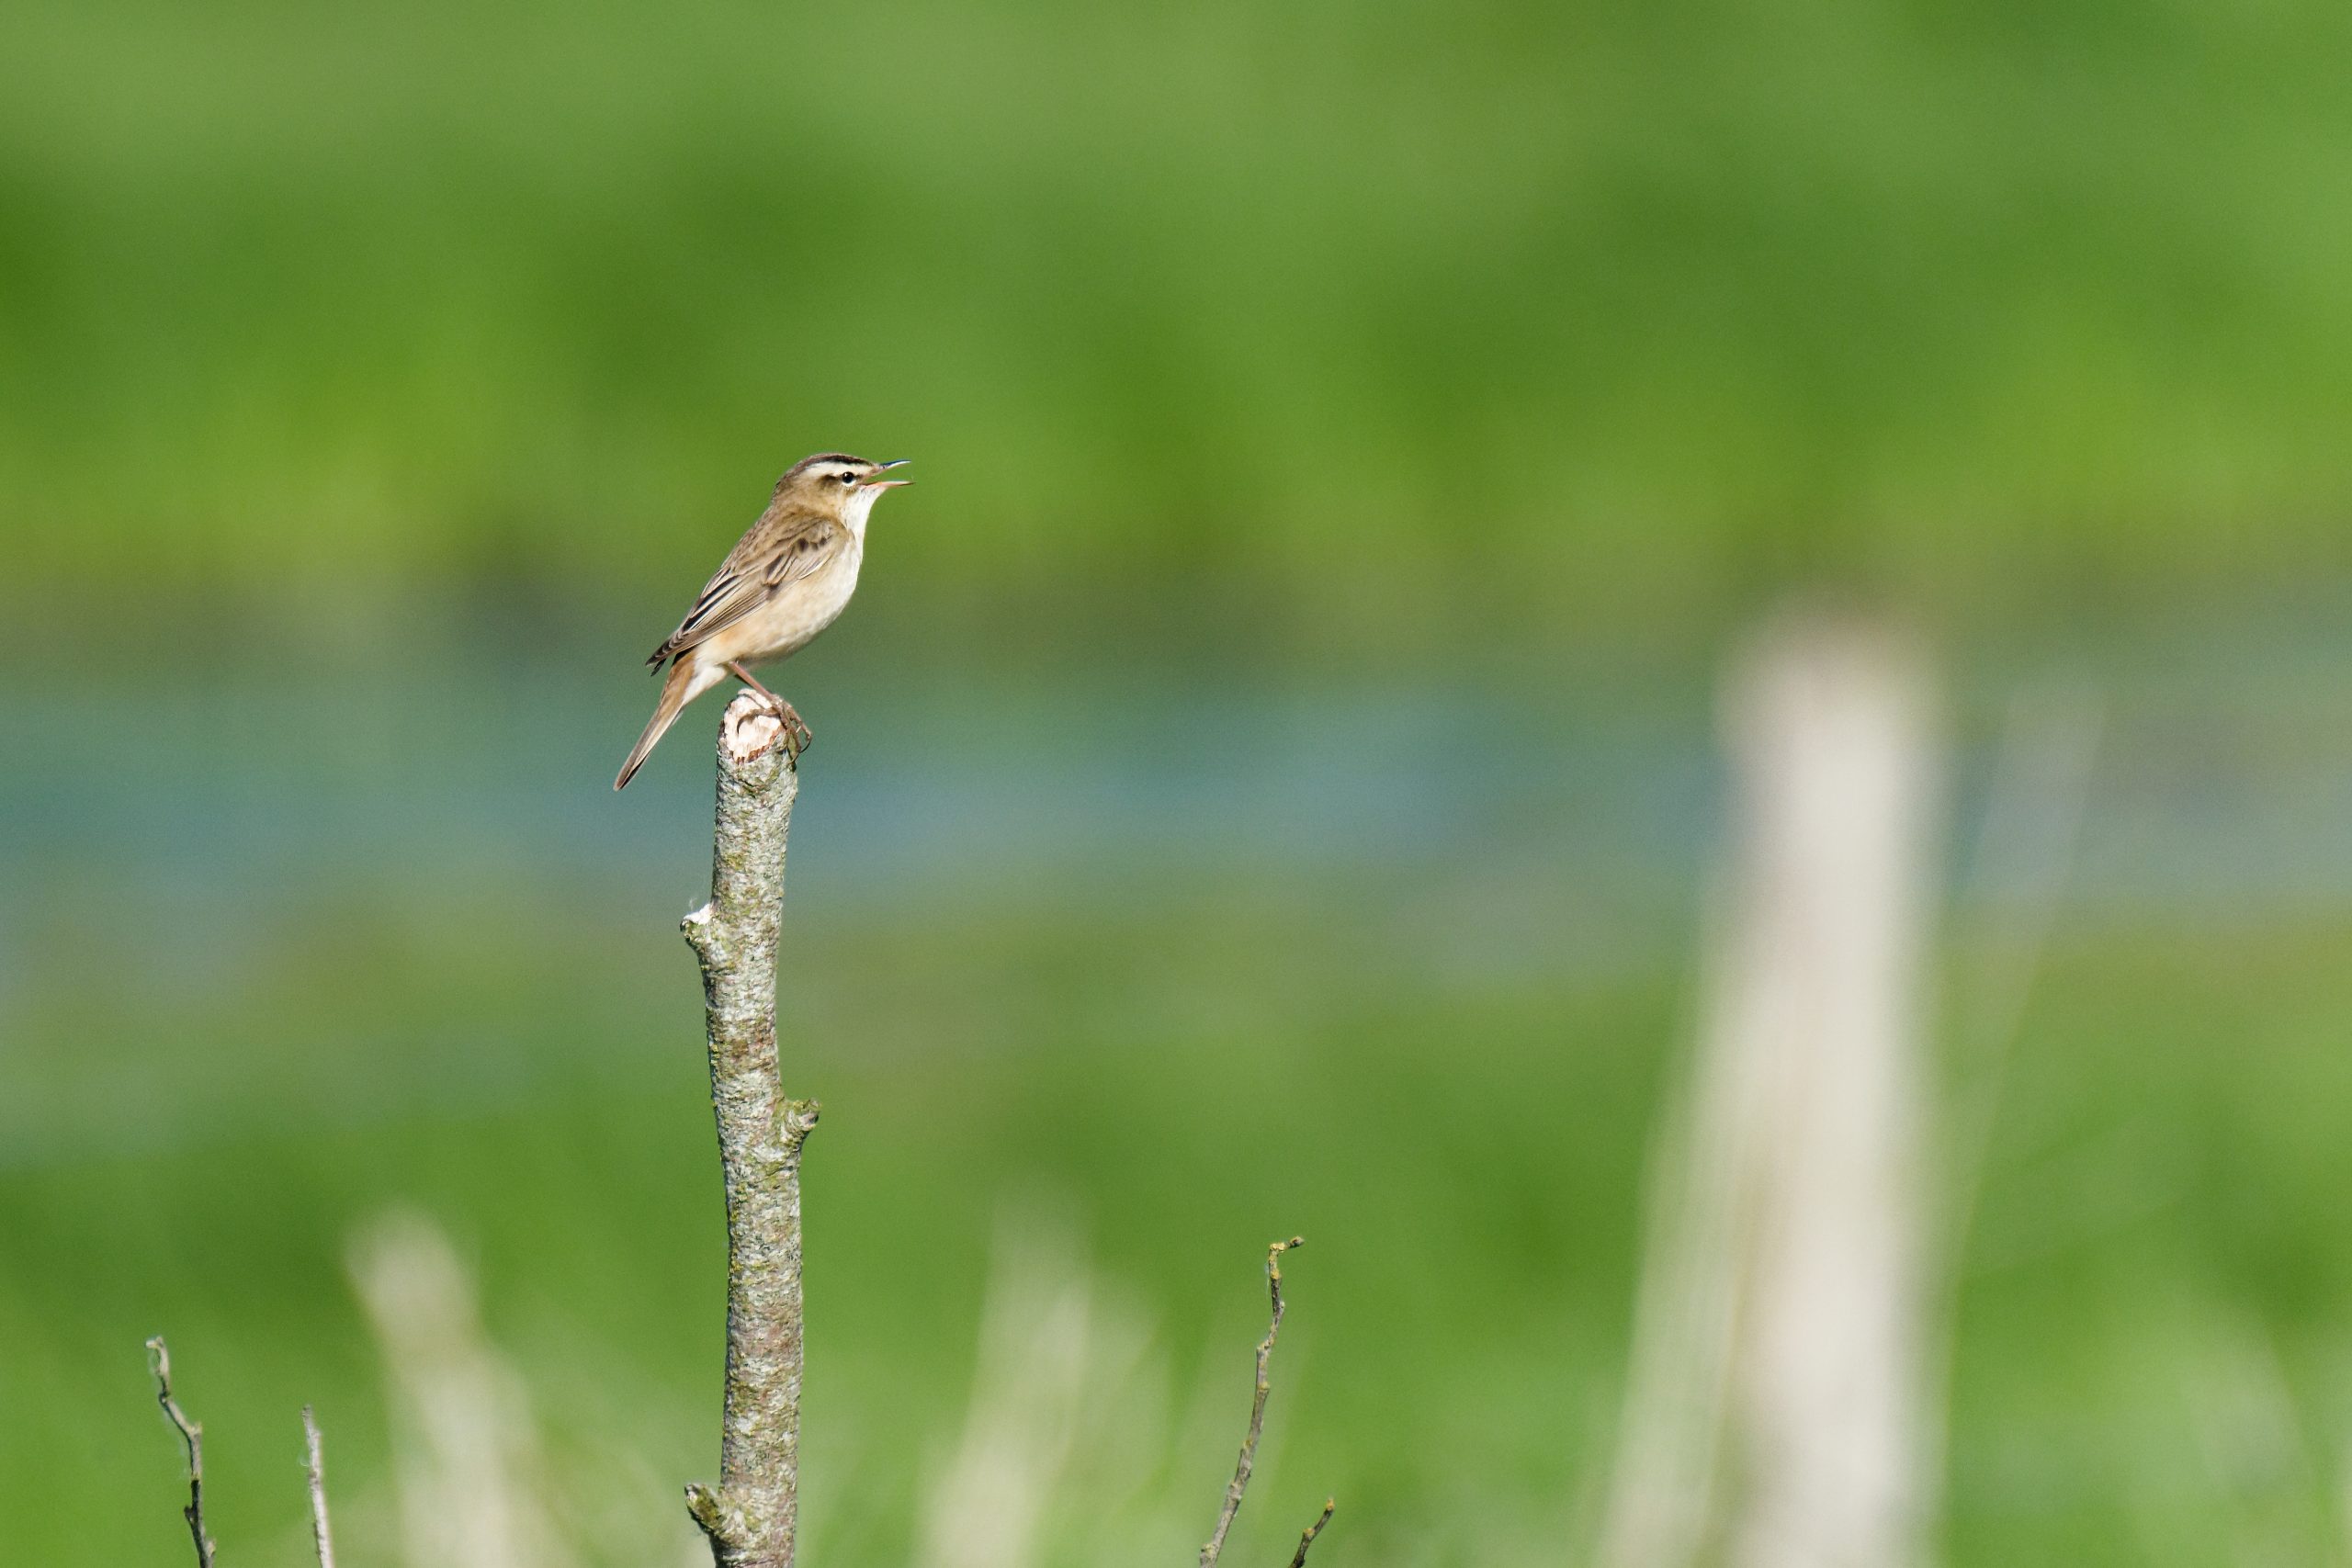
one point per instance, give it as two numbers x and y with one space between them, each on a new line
710 1508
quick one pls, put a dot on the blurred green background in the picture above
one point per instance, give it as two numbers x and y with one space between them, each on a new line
1267 782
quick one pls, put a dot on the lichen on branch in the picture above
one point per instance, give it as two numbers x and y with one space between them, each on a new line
750 1515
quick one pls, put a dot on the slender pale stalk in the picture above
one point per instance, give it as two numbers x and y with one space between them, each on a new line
314 1471
466 1453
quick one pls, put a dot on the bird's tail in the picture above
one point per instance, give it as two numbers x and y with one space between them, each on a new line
686 682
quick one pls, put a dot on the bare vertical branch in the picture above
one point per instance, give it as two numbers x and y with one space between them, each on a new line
314 1471
159 1360
1306 1537
1248 1460
750 1515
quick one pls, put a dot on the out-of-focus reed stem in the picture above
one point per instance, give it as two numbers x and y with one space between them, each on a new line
1775 1415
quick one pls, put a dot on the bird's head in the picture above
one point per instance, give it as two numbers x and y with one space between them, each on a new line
839 483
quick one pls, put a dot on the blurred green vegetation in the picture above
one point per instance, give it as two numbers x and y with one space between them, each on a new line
1424 1010
1403 323
1590 308
2148 1368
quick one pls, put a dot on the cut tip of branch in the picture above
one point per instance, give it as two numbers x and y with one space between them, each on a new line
749 728
1306 1537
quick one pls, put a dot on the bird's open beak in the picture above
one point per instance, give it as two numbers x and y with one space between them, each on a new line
889 484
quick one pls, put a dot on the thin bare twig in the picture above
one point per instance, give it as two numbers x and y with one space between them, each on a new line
314 1468
1248 1460
159 1361
1306 1537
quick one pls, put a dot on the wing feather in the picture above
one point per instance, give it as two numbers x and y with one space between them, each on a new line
779 550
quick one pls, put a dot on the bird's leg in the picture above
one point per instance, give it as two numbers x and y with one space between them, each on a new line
796 733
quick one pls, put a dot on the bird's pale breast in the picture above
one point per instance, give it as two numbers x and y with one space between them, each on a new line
796 613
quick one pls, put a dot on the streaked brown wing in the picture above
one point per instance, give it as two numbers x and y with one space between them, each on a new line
777 551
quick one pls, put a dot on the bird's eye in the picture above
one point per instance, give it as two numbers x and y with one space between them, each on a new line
848 478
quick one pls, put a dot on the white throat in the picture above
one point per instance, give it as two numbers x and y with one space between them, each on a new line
861 507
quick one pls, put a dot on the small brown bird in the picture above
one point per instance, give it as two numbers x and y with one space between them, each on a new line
786 580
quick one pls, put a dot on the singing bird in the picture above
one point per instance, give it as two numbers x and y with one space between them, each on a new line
786 580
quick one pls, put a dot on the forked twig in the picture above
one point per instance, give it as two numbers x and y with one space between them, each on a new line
314 1468
159 1361
1306 1537
1249 1458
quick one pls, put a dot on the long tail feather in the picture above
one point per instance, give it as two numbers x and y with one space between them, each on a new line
684 683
